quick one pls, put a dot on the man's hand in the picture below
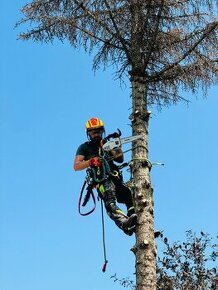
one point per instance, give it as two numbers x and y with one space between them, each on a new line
95 162
117 155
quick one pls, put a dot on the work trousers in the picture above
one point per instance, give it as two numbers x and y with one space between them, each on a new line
113 191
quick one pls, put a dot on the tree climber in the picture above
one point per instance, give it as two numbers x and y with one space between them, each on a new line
111 188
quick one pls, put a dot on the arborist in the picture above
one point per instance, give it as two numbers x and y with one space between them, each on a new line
106 176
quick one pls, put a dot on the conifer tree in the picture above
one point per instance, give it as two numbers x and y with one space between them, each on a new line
165 47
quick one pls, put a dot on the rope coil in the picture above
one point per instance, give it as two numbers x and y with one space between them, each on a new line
80 200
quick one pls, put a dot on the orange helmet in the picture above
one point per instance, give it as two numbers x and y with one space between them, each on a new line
94 123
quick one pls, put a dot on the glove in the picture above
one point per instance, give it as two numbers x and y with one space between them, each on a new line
95 162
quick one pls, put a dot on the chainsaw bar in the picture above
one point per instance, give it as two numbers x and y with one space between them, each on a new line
117 142
130 139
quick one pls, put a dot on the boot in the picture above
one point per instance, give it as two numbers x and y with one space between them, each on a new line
128 226
119 219
129 222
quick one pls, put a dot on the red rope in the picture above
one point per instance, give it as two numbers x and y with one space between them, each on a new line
104 266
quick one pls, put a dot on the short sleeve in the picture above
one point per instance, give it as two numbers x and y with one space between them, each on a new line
81 150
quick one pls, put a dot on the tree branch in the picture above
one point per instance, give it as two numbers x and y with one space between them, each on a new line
122 40
154 36
102 24
206 32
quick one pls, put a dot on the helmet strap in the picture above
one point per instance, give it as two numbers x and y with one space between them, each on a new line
103 135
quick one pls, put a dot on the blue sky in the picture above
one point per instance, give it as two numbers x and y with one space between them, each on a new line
47 93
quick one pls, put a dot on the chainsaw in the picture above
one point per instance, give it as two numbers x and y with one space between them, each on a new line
114 141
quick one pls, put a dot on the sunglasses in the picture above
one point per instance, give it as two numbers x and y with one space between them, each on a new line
95 131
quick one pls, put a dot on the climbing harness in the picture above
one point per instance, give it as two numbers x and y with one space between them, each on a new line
94 176
101 173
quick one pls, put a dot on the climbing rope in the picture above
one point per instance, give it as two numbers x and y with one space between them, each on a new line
86 198
103 238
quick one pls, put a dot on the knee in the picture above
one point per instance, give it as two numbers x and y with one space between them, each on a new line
111 207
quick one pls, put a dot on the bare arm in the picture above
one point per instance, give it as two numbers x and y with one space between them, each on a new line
80 163
118 155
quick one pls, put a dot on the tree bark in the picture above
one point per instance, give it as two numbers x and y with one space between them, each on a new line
144 250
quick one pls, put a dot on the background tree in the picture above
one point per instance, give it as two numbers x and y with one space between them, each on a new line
188 265
165 46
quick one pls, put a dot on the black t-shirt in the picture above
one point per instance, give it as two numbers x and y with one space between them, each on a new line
88 150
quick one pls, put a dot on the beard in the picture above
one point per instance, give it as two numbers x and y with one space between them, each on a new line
96 140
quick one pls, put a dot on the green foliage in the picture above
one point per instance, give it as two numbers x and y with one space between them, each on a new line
188 265
125 282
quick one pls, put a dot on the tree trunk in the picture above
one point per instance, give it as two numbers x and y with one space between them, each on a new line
144 250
